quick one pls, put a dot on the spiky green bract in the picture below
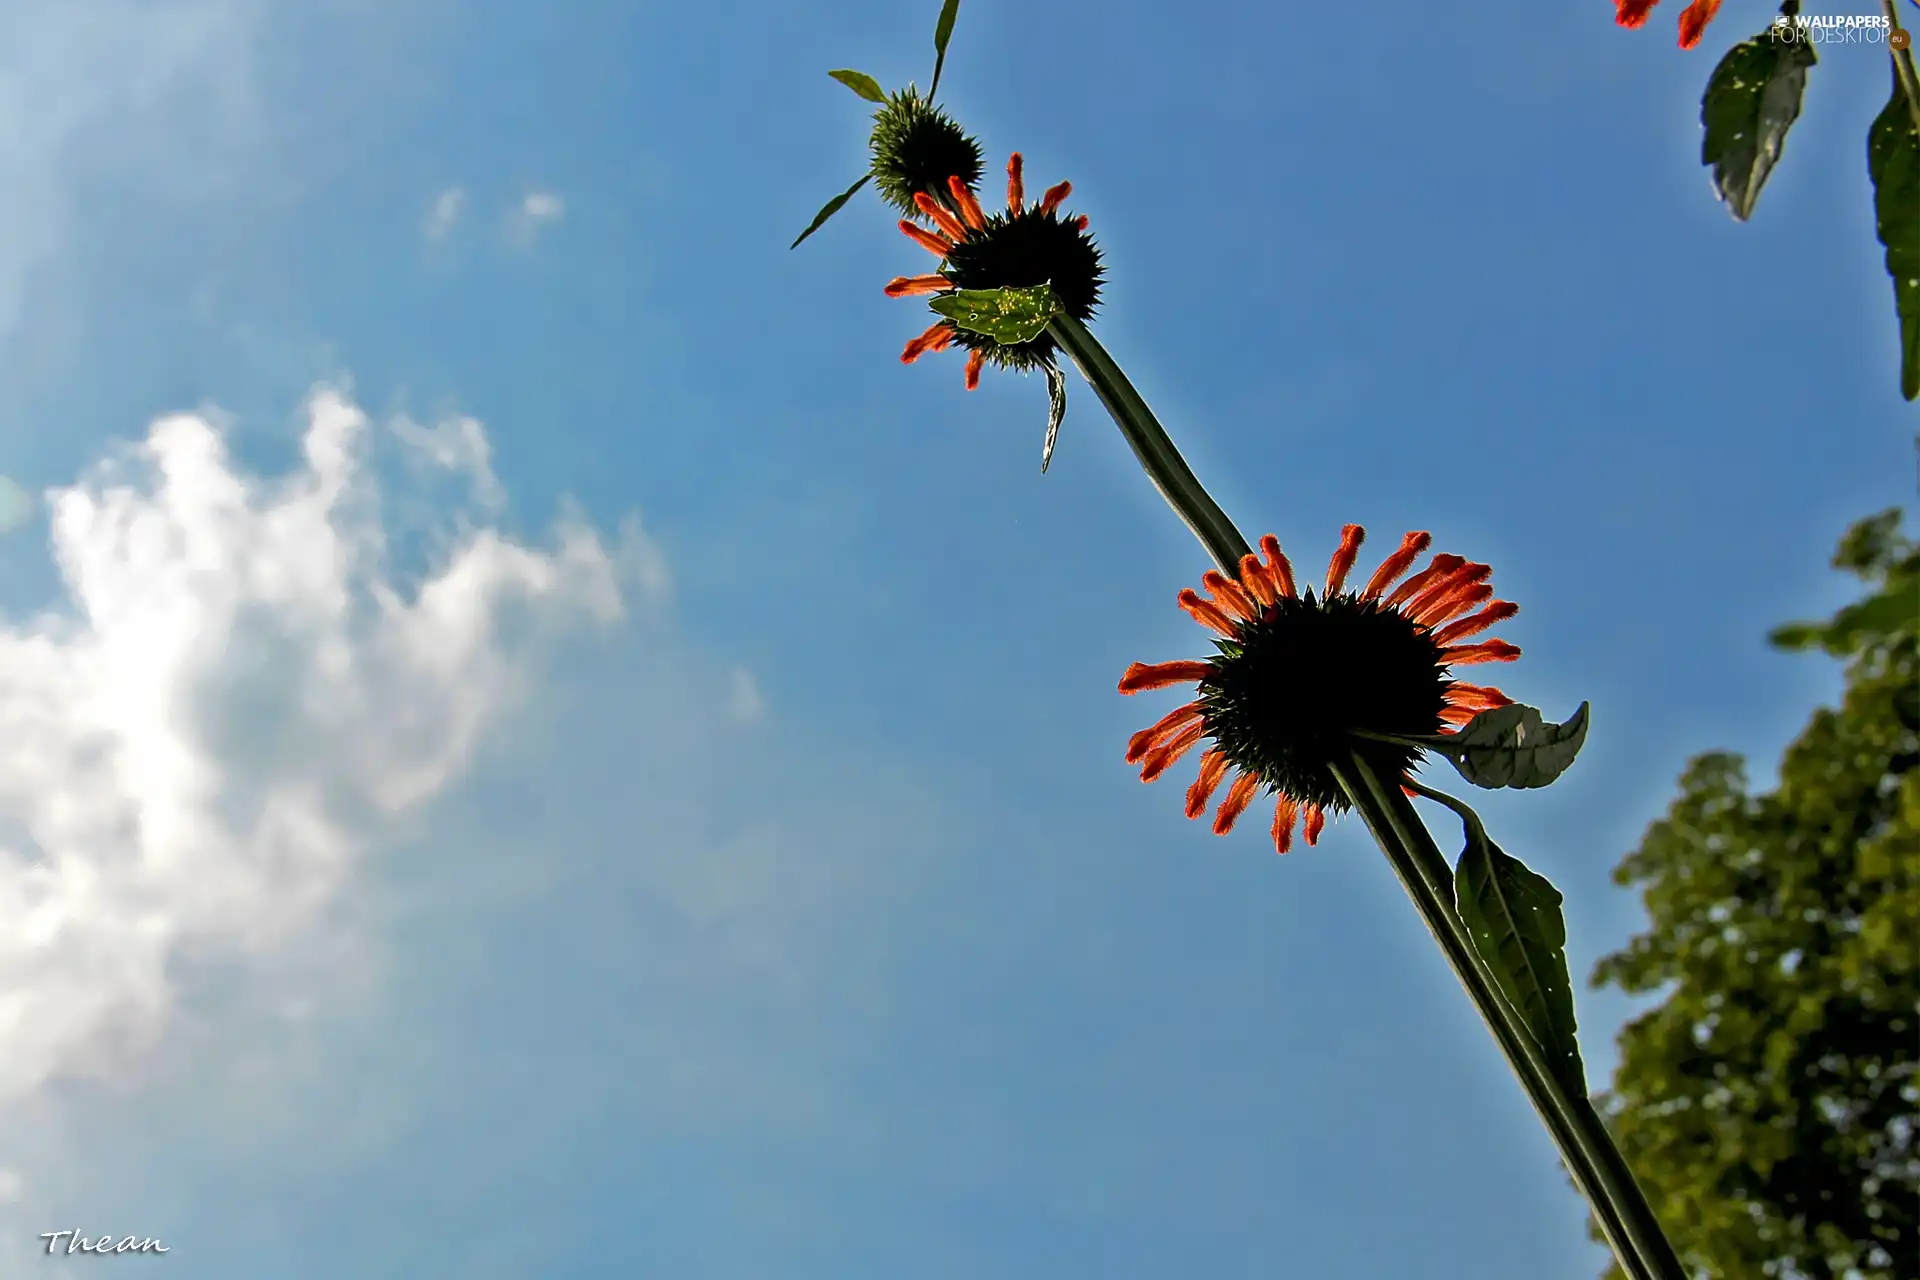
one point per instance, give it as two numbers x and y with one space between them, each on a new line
916 147
1283 700
1022 250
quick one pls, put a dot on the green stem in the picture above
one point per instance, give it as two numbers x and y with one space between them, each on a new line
1424 875
1585 1144
1151 445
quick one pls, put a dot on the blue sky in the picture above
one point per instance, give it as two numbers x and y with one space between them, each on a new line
641 794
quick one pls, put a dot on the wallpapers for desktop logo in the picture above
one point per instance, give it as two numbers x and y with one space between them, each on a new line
1836 28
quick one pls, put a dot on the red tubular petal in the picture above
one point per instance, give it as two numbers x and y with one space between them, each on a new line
1228 594
1278 568
1213 767
1694 19
974 362
1633 13
1016 187
1440 566
1450 605
1396 564
1239 796
941 218
936 338
1315 824
914 286
1478 697
969 207
1255 582
1284 810
1461 655
1163 756
1497 612
1462 707
1055 194
938 246
1207 615
1149 738
1425 607
1142 676
1351 536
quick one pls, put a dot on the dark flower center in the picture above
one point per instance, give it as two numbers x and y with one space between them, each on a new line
916 147
1282 701
1018 251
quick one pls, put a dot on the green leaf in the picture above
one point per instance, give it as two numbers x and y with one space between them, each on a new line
1514 746
1008 316
1893 160
1056 410
864 85
831 207
942 32
1513 917
1751 101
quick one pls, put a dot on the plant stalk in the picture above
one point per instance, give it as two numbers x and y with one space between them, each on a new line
1603 1176
1152 446
1586 1147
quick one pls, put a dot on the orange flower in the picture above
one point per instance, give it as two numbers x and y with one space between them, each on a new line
1693 19
1027 245
1298 676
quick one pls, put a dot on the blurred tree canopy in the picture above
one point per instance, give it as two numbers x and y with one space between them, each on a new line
1769 1104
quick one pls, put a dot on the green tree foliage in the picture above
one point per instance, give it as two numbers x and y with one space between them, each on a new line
1769 1104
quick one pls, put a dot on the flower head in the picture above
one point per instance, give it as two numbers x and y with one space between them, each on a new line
916 147
1028 245
1693 19
1298 675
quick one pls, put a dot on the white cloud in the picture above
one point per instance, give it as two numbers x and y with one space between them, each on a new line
445 214
242 698
535 211
459 445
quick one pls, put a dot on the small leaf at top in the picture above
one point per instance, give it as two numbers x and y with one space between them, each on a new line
1008 316
1893 161
1056 410
1514 746
1513 917
832 207
1752 99
864 85
942 32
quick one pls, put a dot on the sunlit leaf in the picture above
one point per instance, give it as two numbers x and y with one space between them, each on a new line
864 85
1008 316
832 207
1751 101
